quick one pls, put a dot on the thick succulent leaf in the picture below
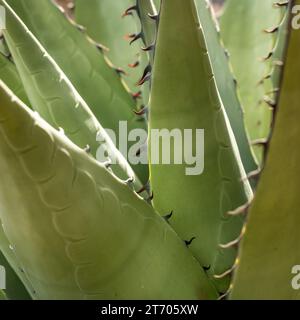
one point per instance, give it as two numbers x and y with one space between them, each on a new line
270 248
226 83
243 30
9 75
105 23
54 97
184 96
80 233
77 55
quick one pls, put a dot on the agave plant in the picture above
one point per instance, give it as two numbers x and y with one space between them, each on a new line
74 226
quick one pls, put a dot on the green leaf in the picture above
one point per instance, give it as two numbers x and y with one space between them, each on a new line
9 75
243 30
270 248
79 232
54 97
225 83
184 96
86 67
104 23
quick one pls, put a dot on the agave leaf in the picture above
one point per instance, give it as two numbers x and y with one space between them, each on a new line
9 75
104 23
80 232
184 96
250 45
270 247
225 83
88 70
54 97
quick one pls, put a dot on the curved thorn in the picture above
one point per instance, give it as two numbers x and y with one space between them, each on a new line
206 268
240 210
134 65
149 48
168 216
141 112
260 142
87 149
129 11
226 273
129 181
151 197
235 242
189 242
107 164
136 95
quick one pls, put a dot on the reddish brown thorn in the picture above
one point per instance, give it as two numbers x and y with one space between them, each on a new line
134 65
146 78
133 37
146 75
144 188
129 11
137 95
